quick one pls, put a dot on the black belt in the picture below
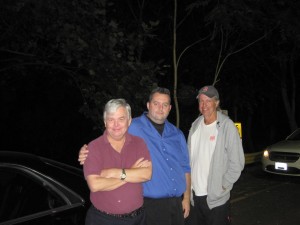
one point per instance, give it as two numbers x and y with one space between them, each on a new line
132 214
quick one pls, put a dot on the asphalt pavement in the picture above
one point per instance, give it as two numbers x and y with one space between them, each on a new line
259 198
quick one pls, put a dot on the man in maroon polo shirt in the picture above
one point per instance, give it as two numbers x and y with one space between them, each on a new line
118 165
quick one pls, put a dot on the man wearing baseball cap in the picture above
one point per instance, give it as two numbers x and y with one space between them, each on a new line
216 157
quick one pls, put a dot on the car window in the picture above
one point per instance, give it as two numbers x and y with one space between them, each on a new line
21 195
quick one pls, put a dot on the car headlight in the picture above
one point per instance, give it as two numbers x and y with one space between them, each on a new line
266 154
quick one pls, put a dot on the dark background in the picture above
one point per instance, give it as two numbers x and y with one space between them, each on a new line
60 62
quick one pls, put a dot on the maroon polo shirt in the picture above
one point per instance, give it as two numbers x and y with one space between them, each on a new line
102 156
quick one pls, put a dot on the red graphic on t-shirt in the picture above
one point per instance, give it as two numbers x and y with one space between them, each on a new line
212 138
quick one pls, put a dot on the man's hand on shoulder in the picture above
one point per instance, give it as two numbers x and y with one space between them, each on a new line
83 153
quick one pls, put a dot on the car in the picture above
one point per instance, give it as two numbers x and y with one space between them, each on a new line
38 190
283 157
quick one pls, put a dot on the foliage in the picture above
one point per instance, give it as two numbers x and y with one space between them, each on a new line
83 40
108 48
261 38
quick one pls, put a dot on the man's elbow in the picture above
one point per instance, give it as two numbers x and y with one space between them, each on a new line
92 184
93 190
93 187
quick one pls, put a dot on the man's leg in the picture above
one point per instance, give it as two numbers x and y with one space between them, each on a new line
220 215
201 210
164 211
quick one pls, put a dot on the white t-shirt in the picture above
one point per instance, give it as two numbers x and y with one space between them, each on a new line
203 143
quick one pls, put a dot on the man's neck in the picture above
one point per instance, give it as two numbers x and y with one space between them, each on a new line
159 127
212 118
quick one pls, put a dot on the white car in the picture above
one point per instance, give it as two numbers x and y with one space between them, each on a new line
283 157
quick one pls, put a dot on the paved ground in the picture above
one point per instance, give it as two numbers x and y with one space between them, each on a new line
262 199
259 198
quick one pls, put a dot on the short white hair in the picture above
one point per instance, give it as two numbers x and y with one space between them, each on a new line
112 105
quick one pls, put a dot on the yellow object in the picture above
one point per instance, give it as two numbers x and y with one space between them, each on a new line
239 127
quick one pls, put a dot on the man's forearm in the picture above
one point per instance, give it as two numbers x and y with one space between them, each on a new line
98 183
133 175
187 193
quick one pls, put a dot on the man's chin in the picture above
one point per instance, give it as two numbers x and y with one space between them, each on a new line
160 120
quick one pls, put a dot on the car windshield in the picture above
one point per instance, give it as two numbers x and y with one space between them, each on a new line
295 136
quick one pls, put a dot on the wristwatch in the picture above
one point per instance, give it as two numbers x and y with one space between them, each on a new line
123 174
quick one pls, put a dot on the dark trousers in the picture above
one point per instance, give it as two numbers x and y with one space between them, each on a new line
203 215
164 211
95 217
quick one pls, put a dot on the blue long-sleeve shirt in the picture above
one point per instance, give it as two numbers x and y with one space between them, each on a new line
169 155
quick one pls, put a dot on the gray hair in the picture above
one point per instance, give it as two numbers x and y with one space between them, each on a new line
217 100
112 105
159 90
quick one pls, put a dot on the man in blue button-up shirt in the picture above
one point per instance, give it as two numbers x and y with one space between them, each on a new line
167 194
170 162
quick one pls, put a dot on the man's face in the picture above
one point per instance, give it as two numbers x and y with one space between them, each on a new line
117 123
159 108
208 106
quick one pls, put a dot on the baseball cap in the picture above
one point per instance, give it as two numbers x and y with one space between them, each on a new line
209 91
